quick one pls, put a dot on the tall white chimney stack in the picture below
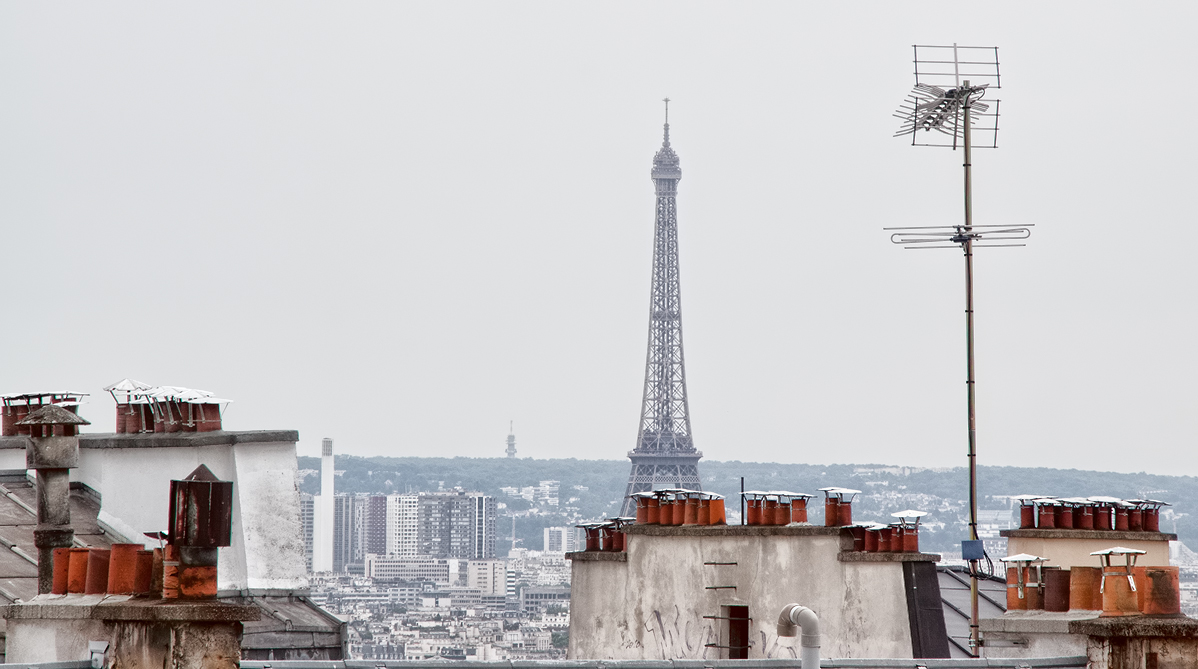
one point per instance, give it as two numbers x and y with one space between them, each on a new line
322 549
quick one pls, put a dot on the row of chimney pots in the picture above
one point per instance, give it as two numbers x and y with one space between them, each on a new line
16 407
167 416
679 507
690 507
608 537
1107 589
1091 514
131 418
130 569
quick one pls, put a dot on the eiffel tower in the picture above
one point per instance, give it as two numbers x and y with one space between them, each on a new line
665 455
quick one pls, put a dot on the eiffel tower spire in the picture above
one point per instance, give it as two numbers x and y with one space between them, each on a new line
665 455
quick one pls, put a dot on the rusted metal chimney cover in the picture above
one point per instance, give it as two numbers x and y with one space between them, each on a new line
201 473
53 414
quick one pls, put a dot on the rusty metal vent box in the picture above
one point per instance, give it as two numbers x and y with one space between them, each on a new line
201 513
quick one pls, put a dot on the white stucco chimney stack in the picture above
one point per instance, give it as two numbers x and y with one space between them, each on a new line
322 549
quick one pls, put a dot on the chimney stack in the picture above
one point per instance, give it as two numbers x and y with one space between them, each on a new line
322 549
52 452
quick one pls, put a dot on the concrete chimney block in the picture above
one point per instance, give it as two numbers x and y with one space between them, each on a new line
52 453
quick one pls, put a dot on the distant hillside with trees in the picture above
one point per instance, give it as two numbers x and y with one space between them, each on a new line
591 489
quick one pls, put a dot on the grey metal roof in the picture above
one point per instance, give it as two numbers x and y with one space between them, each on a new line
18 518
954 593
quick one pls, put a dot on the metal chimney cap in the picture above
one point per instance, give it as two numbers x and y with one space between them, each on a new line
1022 557
52 414
201 473
1119 550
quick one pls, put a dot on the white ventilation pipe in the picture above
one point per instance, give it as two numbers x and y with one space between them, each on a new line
794 616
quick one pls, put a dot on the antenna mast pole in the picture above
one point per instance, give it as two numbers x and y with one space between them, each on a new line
974 630
943 102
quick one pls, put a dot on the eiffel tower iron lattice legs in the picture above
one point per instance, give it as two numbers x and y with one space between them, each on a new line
665 455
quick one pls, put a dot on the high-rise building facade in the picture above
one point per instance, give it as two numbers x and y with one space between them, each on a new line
358 549
402 526
487 576
307 520
376 525
483 541
343 531
558 539
456 524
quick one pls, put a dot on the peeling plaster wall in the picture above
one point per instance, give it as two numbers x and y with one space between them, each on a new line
652 606
267 545
272 535
133 644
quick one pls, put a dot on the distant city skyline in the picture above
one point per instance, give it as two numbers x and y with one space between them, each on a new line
440 219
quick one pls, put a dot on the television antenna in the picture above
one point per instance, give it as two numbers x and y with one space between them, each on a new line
946 104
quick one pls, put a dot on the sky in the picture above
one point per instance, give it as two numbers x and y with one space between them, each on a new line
405 225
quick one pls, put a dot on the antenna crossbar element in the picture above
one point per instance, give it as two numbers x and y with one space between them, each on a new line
946 91
983 236
948 65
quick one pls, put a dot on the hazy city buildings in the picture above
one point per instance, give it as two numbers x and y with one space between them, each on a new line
456 524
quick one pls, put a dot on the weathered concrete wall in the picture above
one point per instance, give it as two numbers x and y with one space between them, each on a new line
132 473
142 634
271 533
653 605
1137 642
133 645
1137 653
1034 634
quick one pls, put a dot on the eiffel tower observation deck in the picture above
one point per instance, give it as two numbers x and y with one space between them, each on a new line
665 455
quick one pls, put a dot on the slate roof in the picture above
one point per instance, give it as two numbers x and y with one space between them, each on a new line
954 594
18 518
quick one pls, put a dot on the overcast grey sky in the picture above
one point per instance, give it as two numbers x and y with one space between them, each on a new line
403 225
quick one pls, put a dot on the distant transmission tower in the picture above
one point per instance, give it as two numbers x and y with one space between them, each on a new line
665 455
511 440
949 84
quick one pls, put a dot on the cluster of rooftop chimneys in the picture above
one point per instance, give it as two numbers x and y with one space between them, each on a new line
1117 587
200 521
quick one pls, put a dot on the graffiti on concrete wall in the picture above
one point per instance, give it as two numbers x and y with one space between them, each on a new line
677 638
